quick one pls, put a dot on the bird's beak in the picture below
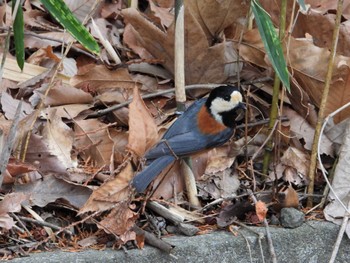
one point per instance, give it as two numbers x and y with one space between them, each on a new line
242 106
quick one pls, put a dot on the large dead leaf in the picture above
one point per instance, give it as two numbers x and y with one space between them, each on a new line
100 78
111 192
215 16
38 153
65 94
205 62
9 106
59 139
307 65
49 189
318 22
143 132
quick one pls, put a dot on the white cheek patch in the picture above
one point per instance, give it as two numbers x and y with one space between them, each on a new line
219 105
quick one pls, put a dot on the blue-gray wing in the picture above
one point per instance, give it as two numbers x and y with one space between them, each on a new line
184 138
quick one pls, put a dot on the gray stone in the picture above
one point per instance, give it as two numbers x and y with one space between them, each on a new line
310 243
291 217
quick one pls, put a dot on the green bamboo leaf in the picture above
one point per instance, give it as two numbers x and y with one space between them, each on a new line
271 42
59 10
302 5
18 34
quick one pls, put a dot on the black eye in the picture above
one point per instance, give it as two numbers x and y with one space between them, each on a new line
227 97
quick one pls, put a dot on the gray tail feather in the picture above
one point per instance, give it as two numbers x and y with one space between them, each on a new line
145 177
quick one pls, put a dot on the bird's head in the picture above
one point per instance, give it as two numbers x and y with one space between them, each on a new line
225 104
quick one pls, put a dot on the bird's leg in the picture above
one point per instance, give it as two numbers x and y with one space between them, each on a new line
170 149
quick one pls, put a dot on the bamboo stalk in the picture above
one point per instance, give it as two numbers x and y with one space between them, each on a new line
275 95
180 93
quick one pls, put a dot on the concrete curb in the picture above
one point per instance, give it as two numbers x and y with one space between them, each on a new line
312 243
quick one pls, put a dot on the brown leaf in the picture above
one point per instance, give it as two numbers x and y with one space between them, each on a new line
291 198
39 154
205 62
100 78
215 16
12 202
49 189
140 241
166 17
111 192
297 159
93 141
143 131
120 221
307 63
61 94
16 167
304 131
59 139
261 210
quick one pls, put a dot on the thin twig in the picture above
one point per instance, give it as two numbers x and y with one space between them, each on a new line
314 152
340 235
100 113
7 148
44 223
323 170
268 234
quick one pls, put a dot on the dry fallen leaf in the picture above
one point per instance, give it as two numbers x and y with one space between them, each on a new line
11 203
261 210
143 132
111 192
59 139
205 62
93 141
120 221
291 198
49 189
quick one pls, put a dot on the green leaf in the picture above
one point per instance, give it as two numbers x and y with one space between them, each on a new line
302 5
18 34
59 10
271 42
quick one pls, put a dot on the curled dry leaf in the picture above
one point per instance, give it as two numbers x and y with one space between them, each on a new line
334 211
111 192
304 131
143 131
120 221
291 198
297 159
261 210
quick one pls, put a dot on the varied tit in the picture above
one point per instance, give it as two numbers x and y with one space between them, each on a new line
207 123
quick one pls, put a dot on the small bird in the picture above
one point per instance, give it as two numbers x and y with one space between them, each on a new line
207 123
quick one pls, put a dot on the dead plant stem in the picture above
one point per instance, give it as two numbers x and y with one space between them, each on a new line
320 119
